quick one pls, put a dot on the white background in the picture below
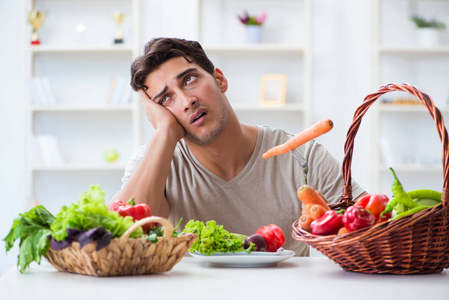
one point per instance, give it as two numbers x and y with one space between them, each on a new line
340 81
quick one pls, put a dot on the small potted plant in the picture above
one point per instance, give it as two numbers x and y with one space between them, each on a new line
428 30
253 26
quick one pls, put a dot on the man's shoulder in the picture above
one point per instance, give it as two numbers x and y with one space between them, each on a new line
273 131
273 135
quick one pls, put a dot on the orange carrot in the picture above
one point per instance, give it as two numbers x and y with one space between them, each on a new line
322 196
308 194
342 231
306 209
301 138
317 211
305 221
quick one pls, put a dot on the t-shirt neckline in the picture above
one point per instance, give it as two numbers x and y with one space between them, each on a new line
243 172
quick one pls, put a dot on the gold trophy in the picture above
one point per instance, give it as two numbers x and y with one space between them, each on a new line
118 18
36 19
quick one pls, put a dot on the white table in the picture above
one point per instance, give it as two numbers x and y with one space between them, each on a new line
297 278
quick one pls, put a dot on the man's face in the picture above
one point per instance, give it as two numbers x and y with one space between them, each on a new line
193 96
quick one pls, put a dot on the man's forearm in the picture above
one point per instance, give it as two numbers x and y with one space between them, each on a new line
147 183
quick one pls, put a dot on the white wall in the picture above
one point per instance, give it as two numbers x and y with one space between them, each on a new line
11 129
340 82
340 75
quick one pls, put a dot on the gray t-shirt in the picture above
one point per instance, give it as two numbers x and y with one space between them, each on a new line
263 193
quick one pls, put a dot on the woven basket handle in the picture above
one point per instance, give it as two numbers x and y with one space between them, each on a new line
361 110
168 226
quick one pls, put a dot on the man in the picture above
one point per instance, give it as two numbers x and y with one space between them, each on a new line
202 163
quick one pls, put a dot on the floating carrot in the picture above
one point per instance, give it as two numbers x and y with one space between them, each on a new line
308 194
301 138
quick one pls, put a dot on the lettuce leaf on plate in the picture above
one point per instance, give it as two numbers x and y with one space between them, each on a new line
213 238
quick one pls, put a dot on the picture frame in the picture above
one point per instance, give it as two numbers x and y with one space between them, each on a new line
273 89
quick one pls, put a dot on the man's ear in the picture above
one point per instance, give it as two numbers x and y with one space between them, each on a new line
222 82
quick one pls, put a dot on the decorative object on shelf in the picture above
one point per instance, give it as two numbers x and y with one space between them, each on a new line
272 90
120 91
41 91
428 30
36 19
253 27
399 98
111 155
46 151
118 18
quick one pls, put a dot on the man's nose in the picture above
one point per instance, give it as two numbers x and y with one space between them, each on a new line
188 100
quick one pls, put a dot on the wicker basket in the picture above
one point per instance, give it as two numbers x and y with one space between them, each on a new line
415 244
125 256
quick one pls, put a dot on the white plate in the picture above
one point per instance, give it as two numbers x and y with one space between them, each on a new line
243 259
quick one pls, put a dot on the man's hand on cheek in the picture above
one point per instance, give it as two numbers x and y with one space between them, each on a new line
160 117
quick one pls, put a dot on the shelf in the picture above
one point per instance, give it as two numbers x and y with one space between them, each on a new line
81 49
414 50
81 108
70 168
408 108
255 107
258 48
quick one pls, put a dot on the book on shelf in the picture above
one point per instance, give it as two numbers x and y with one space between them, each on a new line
120 91
41 91
45 151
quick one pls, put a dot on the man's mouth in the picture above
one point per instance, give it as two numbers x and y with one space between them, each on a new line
197 115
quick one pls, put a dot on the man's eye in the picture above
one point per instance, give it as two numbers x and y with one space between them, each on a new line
164 100
190 79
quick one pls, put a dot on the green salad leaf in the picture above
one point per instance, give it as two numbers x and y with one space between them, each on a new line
33 230
213 238
91 211
157 231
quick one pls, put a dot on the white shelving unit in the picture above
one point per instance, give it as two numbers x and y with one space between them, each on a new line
81 68
244 63
398 57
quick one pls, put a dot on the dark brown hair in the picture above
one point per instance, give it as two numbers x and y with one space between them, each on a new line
159 50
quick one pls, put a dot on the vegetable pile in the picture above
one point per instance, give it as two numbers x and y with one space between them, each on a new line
367 211
213 238
88 219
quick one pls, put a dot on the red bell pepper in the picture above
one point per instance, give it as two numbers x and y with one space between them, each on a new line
273 235
357 217
329 223
375 204
136 211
